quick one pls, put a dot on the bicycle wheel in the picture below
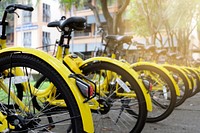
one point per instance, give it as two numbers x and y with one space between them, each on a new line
195 82
182 82
117 92
198 77
20 112
162 93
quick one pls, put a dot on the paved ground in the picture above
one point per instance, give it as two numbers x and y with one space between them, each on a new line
184 119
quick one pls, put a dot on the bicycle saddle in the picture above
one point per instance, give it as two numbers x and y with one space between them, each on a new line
179 57
151 48
75 23
173 55
161 52
140 47
120 38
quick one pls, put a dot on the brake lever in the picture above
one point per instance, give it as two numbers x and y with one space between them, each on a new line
16 14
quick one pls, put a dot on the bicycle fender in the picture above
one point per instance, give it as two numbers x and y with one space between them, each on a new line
161 69
126 68
179 69
64 72
193 70
187 71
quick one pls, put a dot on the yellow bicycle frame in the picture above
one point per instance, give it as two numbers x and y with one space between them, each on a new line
64 72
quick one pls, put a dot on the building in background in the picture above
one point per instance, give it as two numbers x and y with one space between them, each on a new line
31 30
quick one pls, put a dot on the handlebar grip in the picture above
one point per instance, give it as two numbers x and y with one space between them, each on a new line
23 7
11 8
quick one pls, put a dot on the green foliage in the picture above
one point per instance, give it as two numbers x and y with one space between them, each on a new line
155 14
181 13
138 21
67 4
3 4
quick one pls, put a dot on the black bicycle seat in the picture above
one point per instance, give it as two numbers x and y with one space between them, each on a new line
179 57
120 38
172 54
75 23
161 52
151 48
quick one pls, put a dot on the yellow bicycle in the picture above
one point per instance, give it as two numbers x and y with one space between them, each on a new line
181 78
117 86
186 77
190 73
20 69
163 90
48 101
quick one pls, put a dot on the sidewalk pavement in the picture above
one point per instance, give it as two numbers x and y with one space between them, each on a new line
184 119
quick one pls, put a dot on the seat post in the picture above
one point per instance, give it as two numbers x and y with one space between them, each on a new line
69 36
67 46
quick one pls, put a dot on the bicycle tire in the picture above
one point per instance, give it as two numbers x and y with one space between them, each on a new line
184 88
198 89
103 118
196 83
164 104
71 114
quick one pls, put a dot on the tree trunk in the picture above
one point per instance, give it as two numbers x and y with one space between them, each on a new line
114 23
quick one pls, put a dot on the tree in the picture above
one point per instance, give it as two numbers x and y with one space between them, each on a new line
167 22
67 5
3 4
114 20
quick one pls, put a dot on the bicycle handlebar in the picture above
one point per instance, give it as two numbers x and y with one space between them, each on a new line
11 8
